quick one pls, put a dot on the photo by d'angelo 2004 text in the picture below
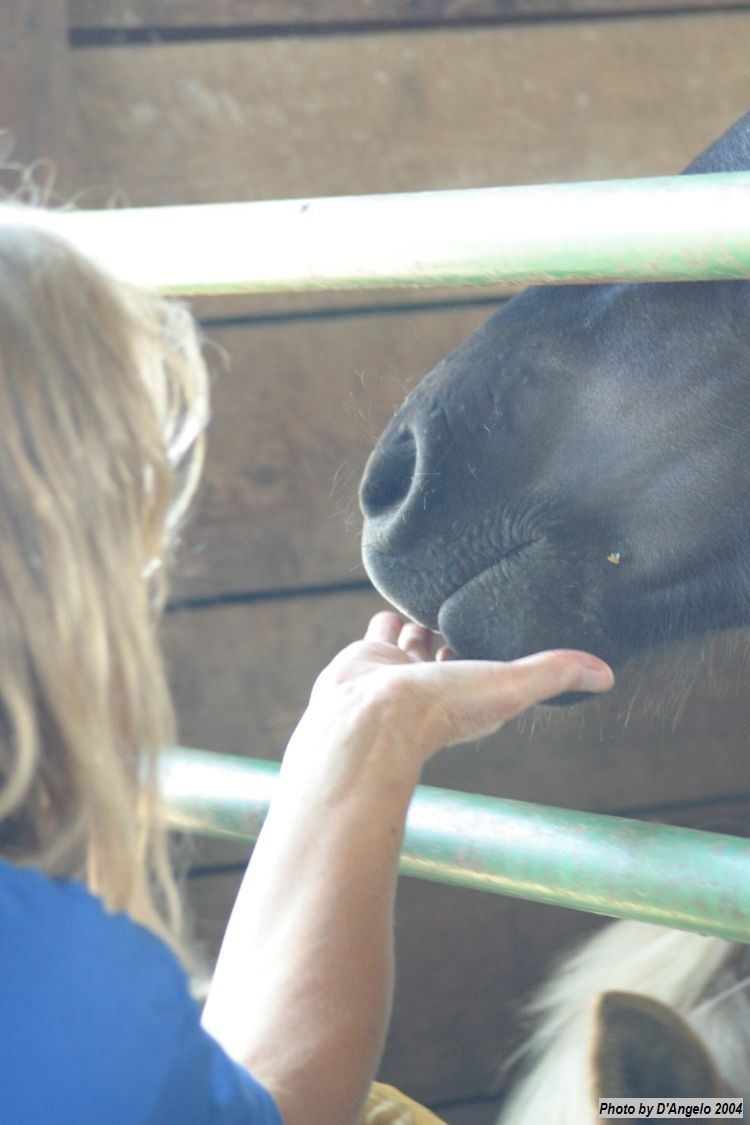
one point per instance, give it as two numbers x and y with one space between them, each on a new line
615 1109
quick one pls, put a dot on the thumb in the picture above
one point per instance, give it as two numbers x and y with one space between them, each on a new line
546 674
477 697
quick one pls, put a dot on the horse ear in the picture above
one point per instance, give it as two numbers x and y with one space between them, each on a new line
644 1049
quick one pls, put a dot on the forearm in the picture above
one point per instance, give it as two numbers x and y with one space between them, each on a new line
302 990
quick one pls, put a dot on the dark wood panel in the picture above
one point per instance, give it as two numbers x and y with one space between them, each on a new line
290 117
294 421
265 15
35 95
241 676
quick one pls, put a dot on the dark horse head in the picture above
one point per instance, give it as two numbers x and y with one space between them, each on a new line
577 473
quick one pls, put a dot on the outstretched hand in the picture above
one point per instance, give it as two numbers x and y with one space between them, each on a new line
442 701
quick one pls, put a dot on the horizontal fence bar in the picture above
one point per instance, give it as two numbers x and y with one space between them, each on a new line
608 865
680 228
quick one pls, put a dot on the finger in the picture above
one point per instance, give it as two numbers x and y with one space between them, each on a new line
477 697
533 679
563 670
416 641
385 626
445 653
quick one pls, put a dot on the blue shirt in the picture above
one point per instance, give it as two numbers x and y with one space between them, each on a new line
97 1026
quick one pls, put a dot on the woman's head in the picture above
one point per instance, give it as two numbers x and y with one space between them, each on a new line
103 400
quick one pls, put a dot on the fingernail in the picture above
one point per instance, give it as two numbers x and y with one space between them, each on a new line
597 677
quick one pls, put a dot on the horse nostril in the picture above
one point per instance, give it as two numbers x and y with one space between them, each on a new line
389 474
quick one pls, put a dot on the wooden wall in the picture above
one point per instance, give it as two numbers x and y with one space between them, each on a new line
160 101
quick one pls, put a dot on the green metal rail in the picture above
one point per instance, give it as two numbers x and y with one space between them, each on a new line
680 228
675 877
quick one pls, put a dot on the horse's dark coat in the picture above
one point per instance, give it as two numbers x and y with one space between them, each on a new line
577 473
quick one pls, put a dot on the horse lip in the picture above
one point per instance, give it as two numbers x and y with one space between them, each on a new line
428 614
445 603
496 564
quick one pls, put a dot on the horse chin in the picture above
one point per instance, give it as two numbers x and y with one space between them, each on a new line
492 618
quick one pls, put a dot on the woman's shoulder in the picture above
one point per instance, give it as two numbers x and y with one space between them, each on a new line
28 896
39 915
68 962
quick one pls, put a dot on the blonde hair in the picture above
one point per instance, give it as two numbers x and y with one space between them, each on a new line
103 400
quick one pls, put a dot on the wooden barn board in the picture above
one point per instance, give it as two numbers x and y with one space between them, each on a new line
35 97
290 117
241 677
294 421
292 15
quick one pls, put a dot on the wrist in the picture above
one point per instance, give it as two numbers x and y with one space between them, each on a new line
349 738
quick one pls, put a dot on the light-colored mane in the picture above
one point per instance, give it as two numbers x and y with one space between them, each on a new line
703 979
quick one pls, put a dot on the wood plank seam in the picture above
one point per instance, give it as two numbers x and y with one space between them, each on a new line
92 22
